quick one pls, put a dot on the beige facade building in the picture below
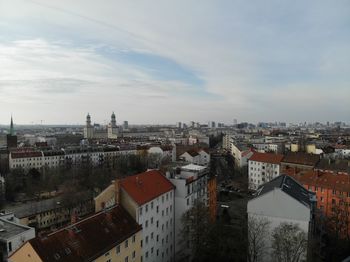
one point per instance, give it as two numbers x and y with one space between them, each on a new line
110 235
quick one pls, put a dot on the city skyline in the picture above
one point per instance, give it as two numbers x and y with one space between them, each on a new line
171 62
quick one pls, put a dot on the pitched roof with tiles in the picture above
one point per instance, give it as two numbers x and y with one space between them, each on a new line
146 186
88 239
301 158
340 182
266 158
291 187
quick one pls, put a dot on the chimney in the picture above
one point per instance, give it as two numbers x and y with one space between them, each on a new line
117 191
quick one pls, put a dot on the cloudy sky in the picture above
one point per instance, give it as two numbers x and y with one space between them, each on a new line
165 61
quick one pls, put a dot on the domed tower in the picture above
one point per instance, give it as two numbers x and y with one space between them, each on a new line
113 120
112 128
88 129
88 120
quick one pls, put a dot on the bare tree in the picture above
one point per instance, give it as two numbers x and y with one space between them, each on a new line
258 229
289 243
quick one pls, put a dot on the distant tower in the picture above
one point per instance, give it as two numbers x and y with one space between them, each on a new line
88 129
88 120
11 138
113 121
112 131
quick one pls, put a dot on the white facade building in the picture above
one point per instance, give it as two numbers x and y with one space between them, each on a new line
282 200
263 167
191 184
149 198
197 157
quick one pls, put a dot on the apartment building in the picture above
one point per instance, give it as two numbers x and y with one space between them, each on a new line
282 199
191 183
27 158
110 235
149 198
52 213
263 167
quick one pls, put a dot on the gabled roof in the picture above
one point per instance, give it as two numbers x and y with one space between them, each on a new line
301 158
146 186
87 239
325 179
266 158
290 187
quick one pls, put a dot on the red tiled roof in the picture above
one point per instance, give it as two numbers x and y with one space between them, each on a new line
301 158
87 239
25 154
146 186
328 180
266 158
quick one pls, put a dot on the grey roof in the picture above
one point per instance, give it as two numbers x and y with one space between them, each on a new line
37 207
10 229
291 187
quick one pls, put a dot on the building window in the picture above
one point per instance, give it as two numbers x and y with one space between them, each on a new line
334 191
133 238
133 254
126 243
146 208
118 249
126 259
10 246
140 211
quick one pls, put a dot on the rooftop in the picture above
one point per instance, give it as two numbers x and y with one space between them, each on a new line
88 239
325 179
301 158
146 186
290 186
9 229
266 158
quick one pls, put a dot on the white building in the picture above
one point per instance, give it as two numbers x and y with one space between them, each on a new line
263 167
191 184
97 155
149 198
12 235
197 157
282 200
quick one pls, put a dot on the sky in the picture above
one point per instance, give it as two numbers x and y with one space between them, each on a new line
165 61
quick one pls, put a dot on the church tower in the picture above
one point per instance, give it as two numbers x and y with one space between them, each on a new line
11 138
88 129
113 128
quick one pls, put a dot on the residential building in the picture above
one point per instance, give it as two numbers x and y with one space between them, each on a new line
332 190
282 200
110 235
196 156
263 167
191 183
12 235
149 198
300 160
53 213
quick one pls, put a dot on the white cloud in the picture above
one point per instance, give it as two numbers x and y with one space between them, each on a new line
264 60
